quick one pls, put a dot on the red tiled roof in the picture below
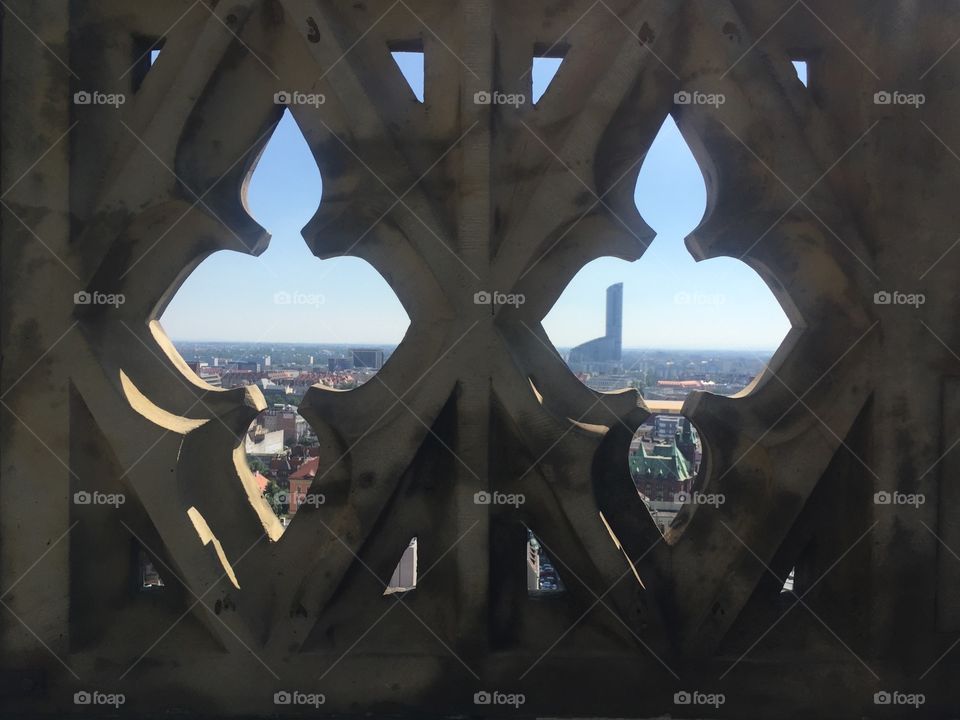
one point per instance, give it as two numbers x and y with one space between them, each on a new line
261 481
307 470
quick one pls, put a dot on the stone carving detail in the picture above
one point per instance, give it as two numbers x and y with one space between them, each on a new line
451 199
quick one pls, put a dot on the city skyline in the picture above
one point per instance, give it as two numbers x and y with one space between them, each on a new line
323 343
289 369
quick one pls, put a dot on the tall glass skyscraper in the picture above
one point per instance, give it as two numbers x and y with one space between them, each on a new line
615 320
604 352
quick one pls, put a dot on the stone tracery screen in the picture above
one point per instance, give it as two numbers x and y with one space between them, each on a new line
119 178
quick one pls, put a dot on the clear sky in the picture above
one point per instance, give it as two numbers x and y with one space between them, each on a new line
669 300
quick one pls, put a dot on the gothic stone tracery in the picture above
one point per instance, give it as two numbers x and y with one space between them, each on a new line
828 195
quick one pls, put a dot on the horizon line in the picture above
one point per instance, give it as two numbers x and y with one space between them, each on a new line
397 344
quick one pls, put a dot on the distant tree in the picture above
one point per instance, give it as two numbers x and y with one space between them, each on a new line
275 495
257 466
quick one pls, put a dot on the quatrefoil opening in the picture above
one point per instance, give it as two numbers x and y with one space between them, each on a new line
281 323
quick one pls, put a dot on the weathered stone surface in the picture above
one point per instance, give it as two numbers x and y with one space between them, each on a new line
827 194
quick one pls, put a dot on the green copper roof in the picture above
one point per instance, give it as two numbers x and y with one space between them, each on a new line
664 461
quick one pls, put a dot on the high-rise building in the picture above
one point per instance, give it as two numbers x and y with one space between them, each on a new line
371 358
688 443
605 352
615 320
285 417
334 364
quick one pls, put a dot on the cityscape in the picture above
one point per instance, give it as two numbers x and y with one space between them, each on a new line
664 457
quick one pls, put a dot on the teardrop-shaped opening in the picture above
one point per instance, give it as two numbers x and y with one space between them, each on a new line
281 451
664 458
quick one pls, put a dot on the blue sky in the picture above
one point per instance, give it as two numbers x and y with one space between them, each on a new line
669 300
